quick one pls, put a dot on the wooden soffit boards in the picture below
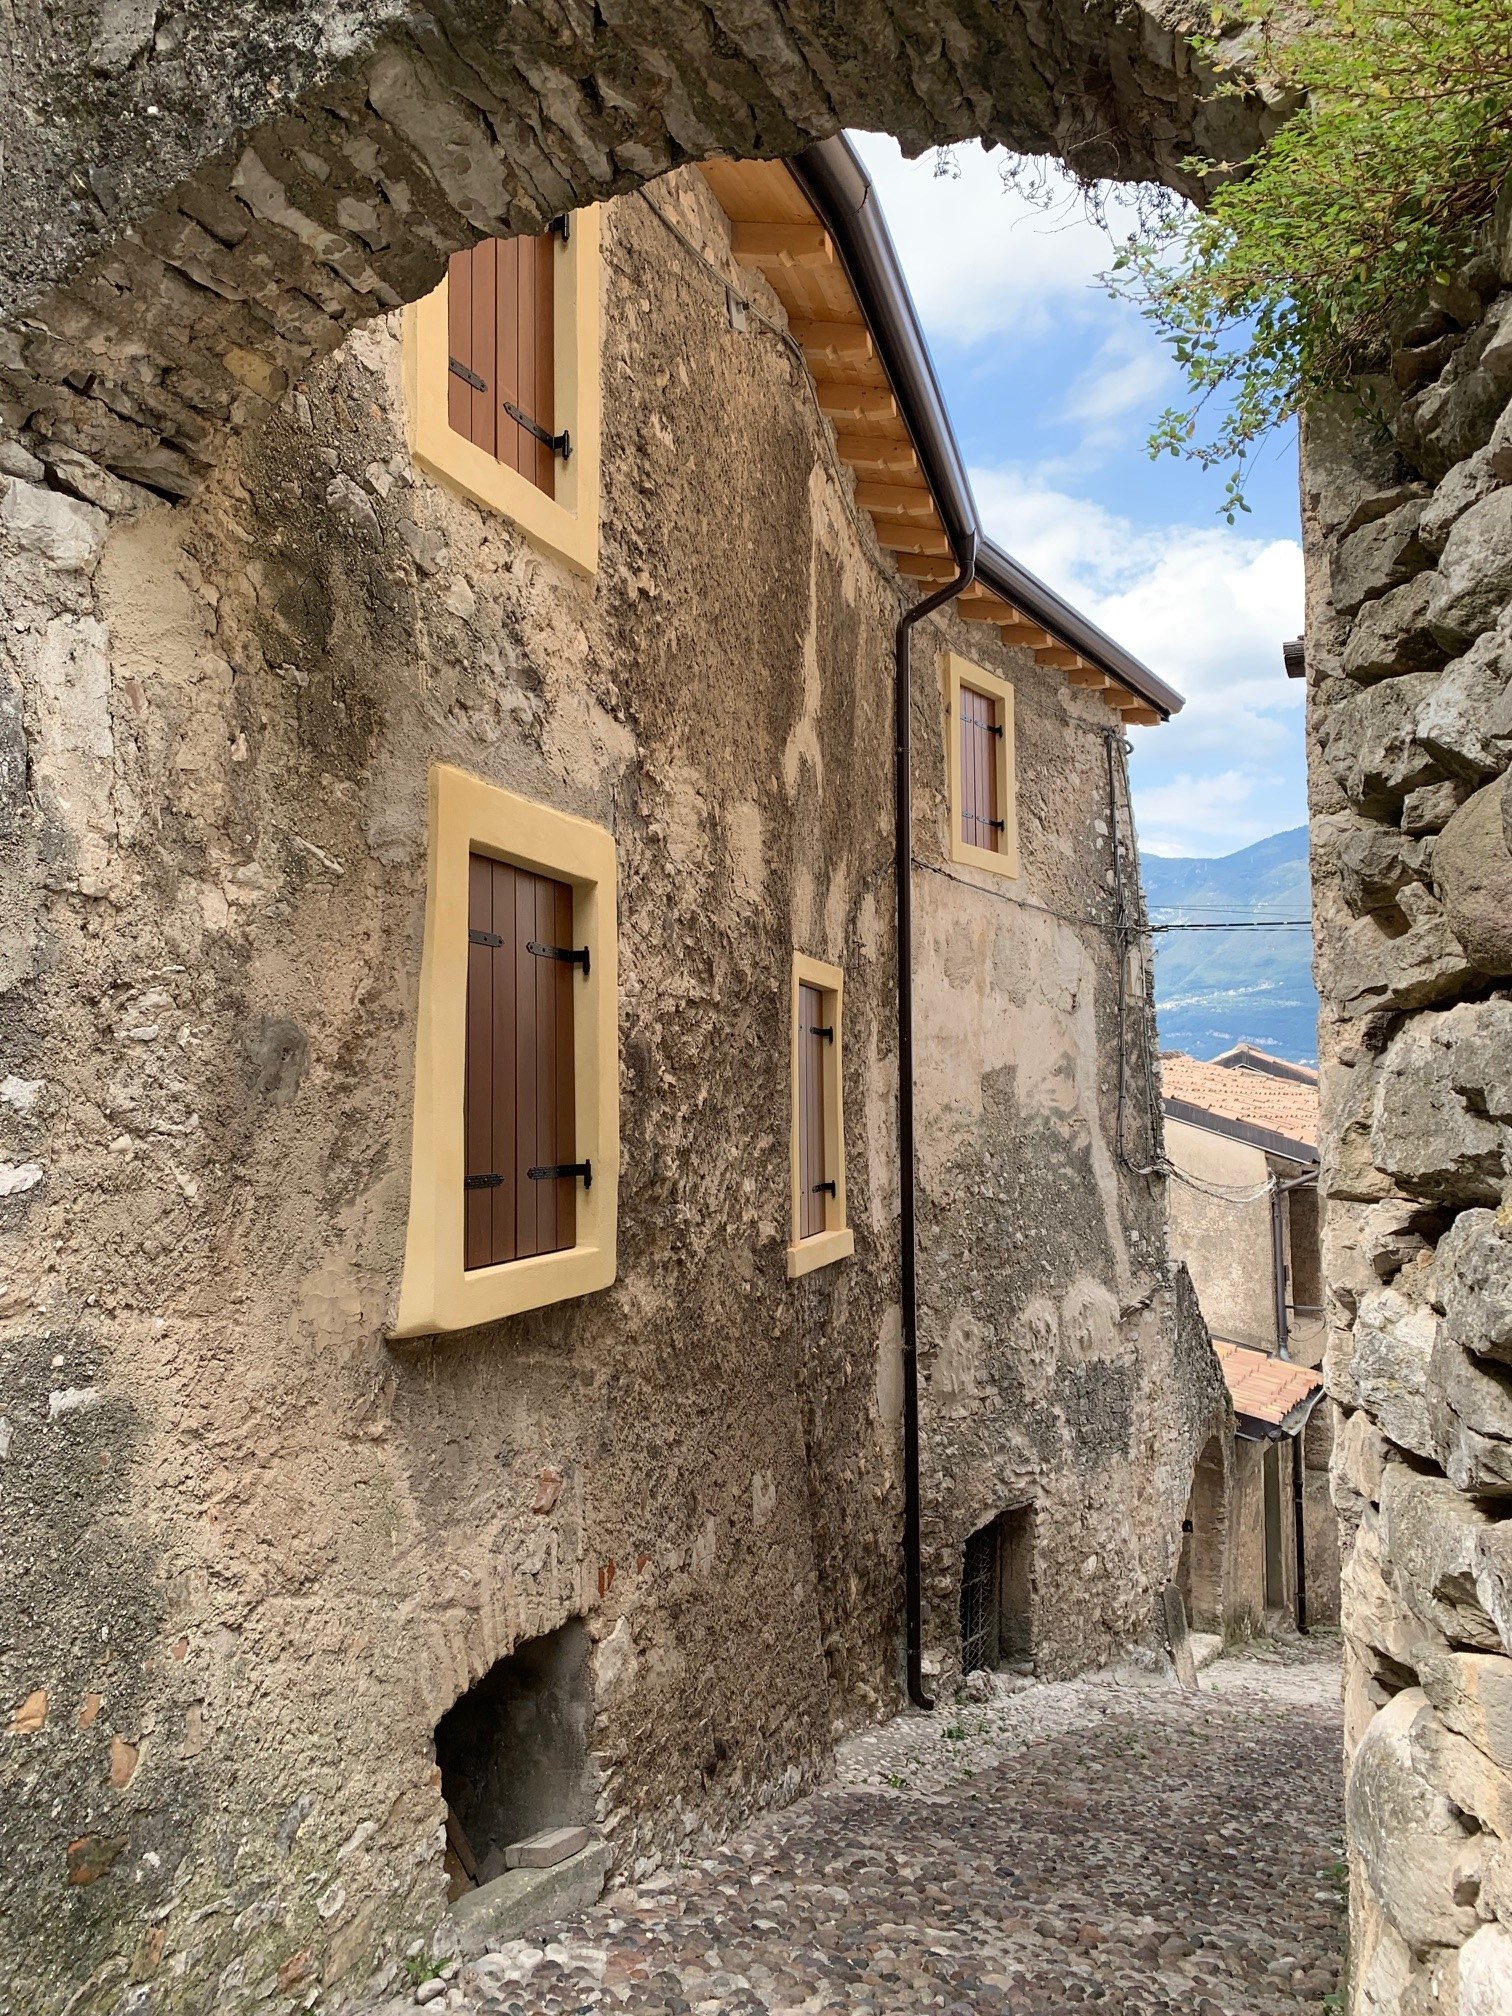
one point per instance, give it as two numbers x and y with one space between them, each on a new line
774 229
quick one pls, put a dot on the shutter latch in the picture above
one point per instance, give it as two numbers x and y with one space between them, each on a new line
559 444
460 370
549 1172
489 1182
995 728
828 1033
563 952
996 825
830 1187
560 227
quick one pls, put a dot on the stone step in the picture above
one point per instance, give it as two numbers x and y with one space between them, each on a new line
523 1900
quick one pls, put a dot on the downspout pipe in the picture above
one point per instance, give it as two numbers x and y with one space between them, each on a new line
1278 1266
913 1567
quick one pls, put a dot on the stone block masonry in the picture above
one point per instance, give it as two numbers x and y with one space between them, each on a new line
202 201
1408 530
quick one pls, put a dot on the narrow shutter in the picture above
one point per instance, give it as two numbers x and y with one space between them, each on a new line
979 770
811 1170
502 331
518 1099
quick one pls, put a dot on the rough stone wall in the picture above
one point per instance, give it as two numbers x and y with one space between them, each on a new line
1051 1370
253 1551
1408 526
204 199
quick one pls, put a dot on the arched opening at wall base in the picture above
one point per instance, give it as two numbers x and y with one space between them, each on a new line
1204 1536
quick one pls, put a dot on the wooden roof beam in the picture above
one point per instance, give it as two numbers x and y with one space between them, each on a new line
924 567
1057 657
898 537
839 342
980 605
1086 675
871 452
1026 633
855 402
895 500
782 244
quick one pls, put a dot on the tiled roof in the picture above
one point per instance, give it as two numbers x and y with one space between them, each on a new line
1248 1098
1264 1388
1245 1056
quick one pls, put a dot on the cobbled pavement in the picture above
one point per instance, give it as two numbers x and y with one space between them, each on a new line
1107 1842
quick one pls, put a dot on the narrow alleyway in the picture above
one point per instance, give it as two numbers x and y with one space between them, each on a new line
1098 1843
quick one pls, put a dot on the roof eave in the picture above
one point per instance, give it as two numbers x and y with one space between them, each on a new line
834 180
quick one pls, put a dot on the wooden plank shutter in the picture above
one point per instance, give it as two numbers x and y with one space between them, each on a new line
980 818
501 321
519 1108
812 1173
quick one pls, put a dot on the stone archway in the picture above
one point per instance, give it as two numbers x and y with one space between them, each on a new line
199 209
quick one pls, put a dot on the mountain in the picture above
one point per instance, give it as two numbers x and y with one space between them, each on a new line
1217 988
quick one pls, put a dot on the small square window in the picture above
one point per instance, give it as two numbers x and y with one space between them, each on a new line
514 1159
980 768
820 1233
501 369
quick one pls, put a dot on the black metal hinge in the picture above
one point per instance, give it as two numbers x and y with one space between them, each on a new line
549 1172
560 227
489 1182
830 1186
484 938
828 1033
460 370
559 444
563 952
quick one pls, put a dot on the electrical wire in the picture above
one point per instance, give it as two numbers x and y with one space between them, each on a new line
1259 924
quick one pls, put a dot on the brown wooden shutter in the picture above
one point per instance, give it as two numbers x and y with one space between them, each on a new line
501 325
980 818
812 1174
519 1109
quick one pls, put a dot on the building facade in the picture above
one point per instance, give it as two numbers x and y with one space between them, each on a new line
1242 1135
453 1323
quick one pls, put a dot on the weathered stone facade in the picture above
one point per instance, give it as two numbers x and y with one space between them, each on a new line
255 1551
1409 649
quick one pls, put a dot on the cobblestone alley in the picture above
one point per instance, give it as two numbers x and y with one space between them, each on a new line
1093 1842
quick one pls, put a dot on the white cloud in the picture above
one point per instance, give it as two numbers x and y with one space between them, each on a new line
1206 608
1011 296
999 265
1130 372
1207 815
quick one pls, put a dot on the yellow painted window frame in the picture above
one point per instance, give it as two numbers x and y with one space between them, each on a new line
468 816
836 1241
567 525
1004 860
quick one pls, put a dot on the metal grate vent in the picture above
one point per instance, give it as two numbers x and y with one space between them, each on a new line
979 1600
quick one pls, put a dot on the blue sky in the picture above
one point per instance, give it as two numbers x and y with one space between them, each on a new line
1053 389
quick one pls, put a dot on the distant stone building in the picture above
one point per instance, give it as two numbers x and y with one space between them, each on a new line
1242 1135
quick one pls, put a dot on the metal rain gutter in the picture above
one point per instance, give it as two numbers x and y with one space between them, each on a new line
840 191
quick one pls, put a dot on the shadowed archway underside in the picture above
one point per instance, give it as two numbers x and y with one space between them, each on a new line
201 200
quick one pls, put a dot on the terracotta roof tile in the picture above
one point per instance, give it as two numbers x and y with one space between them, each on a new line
1265 1388
1255 1098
